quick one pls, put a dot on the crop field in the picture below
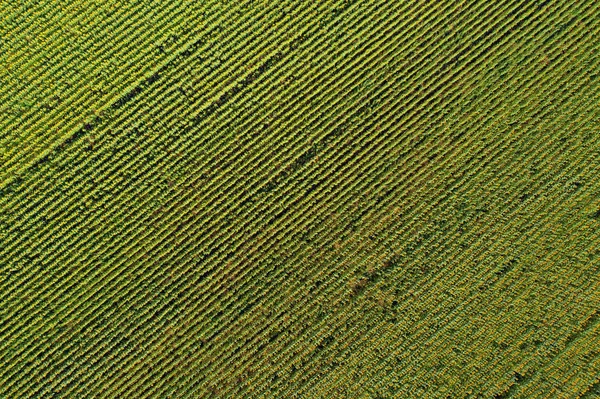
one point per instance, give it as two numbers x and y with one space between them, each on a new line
284 199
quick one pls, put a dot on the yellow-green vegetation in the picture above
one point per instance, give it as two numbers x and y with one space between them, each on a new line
283 199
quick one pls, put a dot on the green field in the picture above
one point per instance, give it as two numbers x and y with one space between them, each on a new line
283 199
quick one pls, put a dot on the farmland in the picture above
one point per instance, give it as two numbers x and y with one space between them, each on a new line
336 199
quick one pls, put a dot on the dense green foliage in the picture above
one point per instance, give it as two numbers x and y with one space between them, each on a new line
335 199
